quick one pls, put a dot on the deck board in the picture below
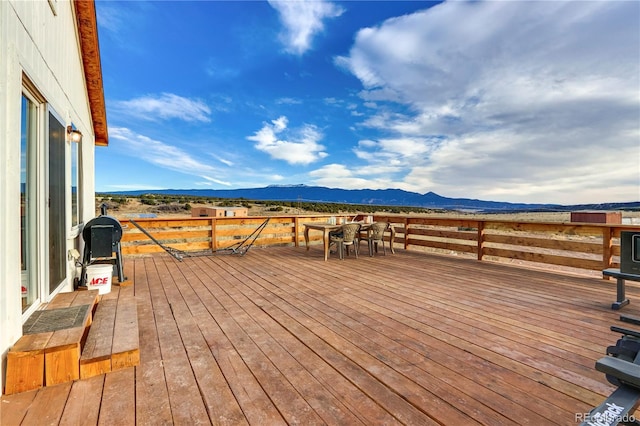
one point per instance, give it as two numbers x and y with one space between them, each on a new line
83 405
152 397
187 406
47 406
281 337
118 398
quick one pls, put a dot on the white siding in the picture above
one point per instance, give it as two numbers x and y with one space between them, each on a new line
9 191
45 48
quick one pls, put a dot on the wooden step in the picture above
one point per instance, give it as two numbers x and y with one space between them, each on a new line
62 353
126 340
99 334
96 355
25 363
113 341
49 351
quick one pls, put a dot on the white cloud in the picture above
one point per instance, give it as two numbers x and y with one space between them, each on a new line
164 156
111 19
303 20
165 106
218 71
340 176
302 146
119 22
134 187
225 162
288 101
518 101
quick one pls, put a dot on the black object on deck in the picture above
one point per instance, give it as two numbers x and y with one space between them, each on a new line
102 237
622 368
621 298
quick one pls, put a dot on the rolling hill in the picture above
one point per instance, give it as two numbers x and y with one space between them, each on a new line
382 197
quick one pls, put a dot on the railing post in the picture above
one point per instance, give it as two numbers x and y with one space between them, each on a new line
406 233
214 242
480 239
607 249
296 231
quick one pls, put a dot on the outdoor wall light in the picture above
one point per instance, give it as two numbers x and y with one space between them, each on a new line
74 134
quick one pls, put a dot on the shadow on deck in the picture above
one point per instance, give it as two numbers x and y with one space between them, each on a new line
281 337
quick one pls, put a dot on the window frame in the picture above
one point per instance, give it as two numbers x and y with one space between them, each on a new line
37 158
57 227
75 177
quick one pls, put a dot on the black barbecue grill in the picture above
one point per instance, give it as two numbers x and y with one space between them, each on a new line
102 236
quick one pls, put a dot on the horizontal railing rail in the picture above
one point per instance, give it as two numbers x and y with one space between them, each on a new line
586 246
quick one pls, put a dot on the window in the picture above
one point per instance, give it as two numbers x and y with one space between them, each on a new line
75 182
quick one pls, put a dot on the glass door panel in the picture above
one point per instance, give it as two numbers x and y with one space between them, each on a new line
57 203
75 204
28 139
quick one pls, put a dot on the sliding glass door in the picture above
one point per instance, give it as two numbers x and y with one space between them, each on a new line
28 198
43 200
57 203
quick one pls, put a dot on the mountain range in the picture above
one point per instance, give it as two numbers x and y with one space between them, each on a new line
381 197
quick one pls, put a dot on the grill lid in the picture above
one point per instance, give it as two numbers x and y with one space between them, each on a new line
103 220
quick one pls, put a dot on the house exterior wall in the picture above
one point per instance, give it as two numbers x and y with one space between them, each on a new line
39 43
219 212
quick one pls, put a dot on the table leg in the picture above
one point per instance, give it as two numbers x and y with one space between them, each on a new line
621 299
306 238
392 237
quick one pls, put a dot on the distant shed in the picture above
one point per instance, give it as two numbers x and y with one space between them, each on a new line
597 217
219 212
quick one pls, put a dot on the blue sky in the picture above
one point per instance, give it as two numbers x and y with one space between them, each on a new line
518 101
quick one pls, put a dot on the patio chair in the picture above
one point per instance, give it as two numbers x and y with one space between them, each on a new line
621 367
349 237
376 235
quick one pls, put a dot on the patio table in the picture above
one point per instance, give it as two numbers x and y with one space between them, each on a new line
327 228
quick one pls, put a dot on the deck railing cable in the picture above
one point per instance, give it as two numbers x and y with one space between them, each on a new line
241 248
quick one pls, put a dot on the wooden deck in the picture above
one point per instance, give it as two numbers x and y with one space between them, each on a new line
281 337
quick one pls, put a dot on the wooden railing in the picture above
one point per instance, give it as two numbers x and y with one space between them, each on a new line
576 245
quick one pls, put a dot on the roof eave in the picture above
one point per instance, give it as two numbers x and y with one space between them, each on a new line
90 51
